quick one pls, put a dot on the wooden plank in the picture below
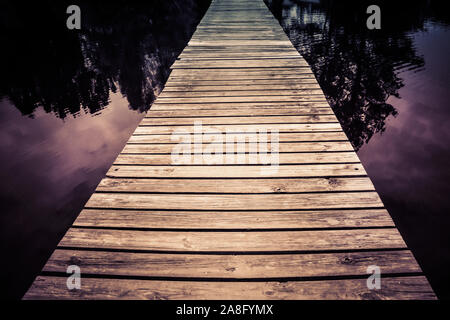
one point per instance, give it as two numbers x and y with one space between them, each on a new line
221 47
184 146
172 85
240 47
235 185
301 105
232 56
208 43
288 201
241 128
255 98
256 33
284 158
240 74
243 73
209 54
393 288
237 171
272 63
198 49
235 37
283 137
262 34
231 241
232 266
240 93
238 120
248 220
302 87
292 111
237 53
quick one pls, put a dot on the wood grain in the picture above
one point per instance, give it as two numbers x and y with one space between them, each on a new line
237 171
226 220
158 185
411 288
284 158
255 266
230 241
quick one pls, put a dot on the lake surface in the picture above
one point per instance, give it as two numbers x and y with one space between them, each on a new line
69 100
390 90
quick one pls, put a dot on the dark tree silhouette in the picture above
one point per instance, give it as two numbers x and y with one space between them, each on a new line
122 45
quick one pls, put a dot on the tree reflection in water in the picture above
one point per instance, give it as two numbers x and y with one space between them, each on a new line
122 45
358 69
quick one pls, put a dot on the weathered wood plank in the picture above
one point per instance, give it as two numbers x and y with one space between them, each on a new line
288 111
229 56
232 266
297 82
238 77
239 93
248 220
238 120
316 146
209 54
393 288
283 158
249 98
235 185
231 241
241 74
219 107
272 63
241 128
220 48
282 137
286 201
237 171
231 87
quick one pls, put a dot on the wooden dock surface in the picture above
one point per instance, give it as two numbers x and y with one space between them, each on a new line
310 230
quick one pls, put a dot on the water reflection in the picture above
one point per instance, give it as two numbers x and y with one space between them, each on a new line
358 69
122 47
395 82
68 102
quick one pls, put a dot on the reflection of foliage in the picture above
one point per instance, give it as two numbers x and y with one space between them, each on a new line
122 45
358 69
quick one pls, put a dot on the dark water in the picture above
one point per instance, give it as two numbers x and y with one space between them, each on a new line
390 89
69 100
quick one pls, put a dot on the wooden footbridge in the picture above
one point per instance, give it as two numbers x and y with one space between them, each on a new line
308 230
